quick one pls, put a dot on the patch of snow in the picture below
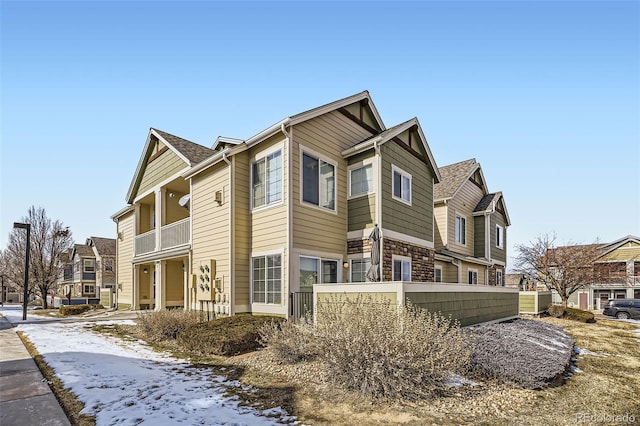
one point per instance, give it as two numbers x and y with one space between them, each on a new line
575 369
124 382
581 351
456 381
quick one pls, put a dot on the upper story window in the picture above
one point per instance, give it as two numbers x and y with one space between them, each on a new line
361 180
266 179
89 265
461 229
401 270
318 182
108 265
401 185
499 236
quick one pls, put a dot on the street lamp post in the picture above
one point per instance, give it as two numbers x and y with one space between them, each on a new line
26 226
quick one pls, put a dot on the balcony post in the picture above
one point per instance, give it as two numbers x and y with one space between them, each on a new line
159 215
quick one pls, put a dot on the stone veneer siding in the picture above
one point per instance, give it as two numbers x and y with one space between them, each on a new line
492 275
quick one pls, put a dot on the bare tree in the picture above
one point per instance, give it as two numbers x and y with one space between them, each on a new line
565 269
49 240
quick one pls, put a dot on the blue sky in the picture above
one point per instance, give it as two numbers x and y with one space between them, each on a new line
545 95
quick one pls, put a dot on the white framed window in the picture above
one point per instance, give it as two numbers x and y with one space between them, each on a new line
266 279
318 181
401 268
499 280
360 179
315 270
266 179
473 276
401 185
499 236
437 274
89 289
461 229
89 265
359 269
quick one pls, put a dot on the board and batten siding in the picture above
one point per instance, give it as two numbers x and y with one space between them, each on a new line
160 169
415 220
210 222
124 266
497 253
463 203
315 228
241 232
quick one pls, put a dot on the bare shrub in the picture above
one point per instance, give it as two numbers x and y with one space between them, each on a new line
528 353
158 326
290 341
381 350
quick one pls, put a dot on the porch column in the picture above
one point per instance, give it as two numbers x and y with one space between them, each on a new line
161 285
135 291
159 215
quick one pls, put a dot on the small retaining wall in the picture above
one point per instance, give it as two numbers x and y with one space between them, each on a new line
534 302
469 304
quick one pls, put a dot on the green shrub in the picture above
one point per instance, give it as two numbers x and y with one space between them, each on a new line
574 314
159 326
225 336
66 310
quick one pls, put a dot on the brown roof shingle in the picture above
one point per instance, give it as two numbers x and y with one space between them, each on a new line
104 246
194 152
453 176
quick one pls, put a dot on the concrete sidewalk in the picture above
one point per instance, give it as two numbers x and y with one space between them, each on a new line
25 399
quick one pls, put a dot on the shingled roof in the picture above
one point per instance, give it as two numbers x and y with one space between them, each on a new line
83 250
104 246
453 176
194 152
486 201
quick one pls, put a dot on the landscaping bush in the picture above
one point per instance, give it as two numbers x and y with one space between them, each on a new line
557 311
159 326
290 341
225 336
376 348
66 310
528 353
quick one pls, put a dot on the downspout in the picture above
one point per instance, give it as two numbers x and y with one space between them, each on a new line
376 149
288 174
231 234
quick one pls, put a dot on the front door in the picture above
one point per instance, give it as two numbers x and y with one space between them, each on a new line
583 300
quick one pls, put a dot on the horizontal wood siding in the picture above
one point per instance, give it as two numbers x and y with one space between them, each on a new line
362 212
464 203
242 229
315 228
124 257
449 271
465 272
417 219
628 251
527 303
499 254
210 238
163 167
479 237
440 233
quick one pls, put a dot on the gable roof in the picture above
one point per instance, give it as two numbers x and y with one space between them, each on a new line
609 247
453 177
104 246
391 133
82 250
488 204
189 152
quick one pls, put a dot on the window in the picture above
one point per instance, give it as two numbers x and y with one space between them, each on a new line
108 265
359 269
437 274
473 276
267 279
89 289
499 277
401 268
267 179
314 270
401 185
461 230
361 180
318 182
89 265
499 236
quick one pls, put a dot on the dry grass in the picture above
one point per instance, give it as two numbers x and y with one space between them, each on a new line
67 399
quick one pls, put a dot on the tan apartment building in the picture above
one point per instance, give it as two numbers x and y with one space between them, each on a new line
250 225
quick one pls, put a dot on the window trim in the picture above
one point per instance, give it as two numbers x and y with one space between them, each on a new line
304 150
84 266
501 274
397 257
437 268
499 236
455 226
258 157
356 166
470 271
84 288
265 254
402 173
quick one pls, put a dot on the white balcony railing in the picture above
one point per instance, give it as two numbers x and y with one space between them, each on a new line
145 243
173 235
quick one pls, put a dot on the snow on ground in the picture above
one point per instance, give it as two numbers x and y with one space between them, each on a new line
126 383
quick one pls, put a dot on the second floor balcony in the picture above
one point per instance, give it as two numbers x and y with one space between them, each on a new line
173 235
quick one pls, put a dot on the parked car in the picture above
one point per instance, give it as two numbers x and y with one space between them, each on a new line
622 308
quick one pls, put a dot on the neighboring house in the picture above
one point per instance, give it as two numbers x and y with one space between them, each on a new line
471 227
104 251
522 283
250 225
65 276
619 267
83 283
